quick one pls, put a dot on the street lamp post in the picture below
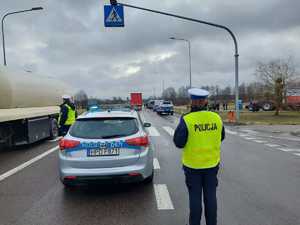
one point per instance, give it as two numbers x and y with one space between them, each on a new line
190 57
236 52
2 23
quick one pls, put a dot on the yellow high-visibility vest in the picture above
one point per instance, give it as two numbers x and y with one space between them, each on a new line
71 118
203 147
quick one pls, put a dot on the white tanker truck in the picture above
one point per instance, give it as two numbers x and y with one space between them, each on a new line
29 107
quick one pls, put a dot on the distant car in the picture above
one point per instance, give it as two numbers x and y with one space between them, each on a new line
156 104
255 106
150 104
106 145
165 107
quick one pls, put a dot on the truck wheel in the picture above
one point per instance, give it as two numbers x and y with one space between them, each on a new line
53 129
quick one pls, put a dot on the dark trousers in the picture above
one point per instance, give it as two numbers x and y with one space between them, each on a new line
202 181
63 130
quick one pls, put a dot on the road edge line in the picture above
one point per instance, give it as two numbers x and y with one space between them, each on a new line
26 164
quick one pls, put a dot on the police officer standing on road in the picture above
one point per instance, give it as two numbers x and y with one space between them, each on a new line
200 134
67 115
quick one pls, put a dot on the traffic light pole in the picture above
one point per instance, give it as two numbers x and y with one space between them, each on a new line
236 55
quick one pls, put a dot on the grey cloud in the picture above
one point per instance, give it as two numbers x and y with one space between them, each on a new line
69 41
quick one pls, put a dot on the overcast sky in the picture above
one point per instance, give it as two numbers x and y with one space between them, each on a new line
68 40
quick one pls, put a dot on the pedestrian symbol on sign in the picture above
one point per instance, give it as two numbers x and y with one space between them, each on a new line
113 16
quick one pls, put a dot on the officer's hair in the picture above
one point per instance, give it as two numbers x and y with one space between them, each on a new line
199 102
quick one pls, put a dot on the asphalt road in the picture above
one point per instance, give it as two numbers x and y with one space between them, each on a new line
259 184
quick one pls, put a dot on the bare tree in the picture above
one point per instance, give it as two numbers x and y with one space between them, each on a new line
169 94
243 92
183 93
81 99
226 93
182 96
279 94
270 73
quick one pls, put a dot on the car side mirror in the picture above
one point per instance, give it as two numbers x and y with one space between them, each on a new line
147 124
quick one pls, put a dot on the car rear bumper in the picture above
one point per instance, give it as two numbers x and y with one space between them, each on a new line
83 180
131 173
165 111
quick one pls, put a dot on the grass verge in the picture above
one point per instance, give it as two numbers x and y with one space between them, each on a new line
263 118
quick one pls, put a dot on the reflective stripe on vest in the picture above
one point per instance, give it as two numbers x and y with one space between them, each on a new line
71 117
203 147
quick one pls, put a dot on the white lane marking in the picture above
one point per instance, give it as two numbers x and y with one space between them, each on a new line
156 164
250 138
297 154
249 131
169 130
289 150
244 135
272 145
259 141
163 199
153 132
26 164
231 132
56 139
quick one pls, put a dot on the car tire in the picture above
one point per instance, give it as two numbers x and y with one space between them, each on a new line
267 106
68 186
172 113
149 180
54 132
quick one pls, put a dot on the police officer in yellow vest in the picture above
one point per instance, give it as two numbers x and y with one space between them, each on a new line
67 115
200 134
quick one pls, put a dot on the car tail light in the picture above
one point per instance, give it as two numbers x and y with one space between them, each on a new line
66 144
70 178
140 141
134 174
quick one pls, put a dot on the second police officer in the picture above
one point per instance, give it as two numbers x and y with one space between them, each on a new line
200 134
67 115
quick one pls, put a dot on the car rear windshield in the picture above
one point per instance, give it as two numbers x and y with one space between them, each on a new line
167 102
104 128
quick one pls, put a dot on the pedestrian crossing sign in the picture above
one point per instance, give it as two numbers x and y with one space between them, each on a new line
114 16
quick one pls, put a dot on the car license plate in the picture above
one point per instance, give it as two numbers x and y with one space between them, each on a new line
103 152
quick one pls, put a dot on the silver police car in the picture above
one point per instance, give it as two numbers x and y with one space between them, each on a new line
106 146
